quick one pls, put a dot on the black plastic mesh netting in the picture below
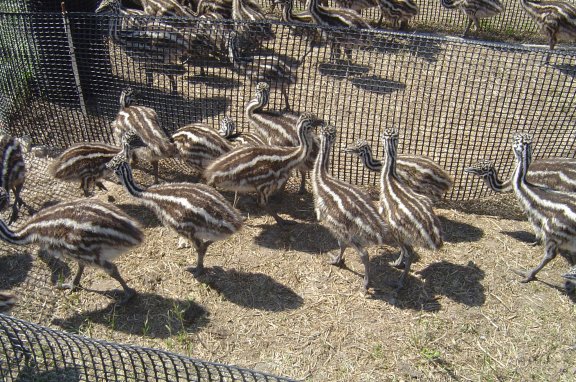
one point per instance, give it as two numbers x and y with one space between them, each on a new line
30 352
453 100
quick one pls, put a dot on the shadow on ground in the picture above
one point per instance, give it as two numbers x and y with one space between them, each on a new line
378 85
147 315
14 267
458 232
251 290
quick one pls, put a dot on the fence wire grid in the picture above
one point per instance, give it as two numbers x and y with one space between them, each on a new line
452 100
31 352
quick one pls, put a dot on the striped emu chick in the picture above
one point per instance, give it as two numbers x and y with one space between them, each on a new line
154 45
278 128
338 18
253 27
143 122
7 302
215 9
570 283
556 18
475 10
84 162
555 173
87 230
310 35
198 144
270 69
409 214
421 174
355 5
398 11
551 212
262 169
345 210
167 8
12 174
227 130
196 212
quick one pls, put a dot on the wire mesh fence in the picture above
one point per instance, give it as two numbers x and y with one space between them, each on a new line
453 100
512 23
31 352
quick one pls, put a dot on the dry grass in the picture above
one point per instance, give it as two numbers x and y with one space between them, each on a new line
270 301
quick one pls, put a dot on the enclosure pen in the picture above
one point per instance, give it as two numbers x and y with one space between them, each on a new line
231 95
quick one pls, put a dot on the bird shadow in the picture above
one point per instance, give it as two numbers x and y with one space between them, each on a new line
412 296
251 290
147 315
31 373
567 69
59 269
387 44
297 206
342 69
460 283
458 232
14 267
214 81
303 237
427 50
523 236
378 85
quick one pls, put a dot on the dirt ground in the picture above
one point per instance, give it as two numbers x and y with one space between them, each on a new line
271 302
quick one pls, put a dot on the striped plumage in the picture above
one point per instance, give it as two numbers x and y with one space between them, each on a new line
166 8
84 162
196 212
345 210
311 35
88 231
355 5
154 45
261 169
12 174
420 173
143 122
475 10
410 215
217 9
398 11
227 130
258 68
551 212
198 144
278 128
556 18
555 173
7 302
252 26
338 18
